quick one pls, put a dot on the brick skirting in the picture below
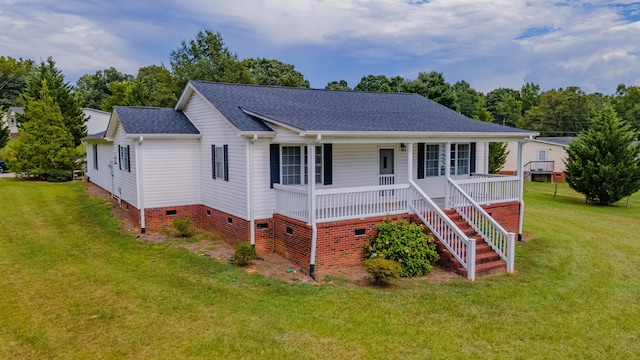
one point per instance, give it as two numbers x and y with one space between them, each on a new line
340 244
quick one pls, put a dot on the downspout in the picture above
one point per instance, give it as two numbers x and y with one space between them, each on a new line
139 187
311 180
250 200
409 170
520 188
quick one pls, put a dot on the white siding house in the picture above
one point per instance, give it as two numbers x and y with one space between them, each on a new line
275 165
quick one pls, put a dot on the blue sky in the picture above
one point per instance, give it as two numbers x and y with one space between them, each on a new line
490 44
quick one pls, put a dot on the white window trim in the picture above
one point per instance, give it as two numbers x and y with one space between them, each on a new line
456 159
319 175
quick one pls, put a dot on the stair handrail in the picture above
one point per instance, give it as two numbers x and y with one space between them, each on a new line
441 226
500 240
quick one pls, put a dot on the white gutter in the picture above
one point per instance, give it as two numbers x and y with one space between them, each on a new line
139 187
520 188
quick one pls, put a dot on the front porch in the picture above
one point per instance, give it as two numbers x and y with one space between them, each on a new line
348 214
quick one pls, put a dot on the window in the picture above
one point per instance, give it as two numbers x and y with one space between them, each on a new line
460 155
125 163
220 162
95 156
434 160
294 167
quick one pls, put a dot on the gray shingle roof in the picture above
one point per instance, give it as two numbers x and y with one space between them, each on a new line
329 110
558 140
148 120
99 135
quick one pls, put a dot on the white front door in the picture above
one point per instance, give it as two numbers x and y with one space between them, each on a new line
542 158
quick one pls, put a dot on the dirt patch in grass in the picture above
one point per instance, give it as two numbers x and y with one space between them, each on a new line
272 265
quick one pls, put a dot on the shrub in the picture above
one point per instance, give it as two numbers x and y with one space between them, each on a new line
183 226
405 243
382 270
244 254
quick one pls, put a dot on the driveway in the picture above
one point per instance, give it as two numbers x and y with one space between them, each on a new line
4 175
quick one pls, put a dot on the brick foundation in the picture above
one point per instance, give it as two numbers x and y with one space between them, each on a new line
339 244
559 177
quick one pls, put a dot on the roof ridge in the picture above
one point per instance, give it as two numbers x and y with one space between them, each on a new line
302 88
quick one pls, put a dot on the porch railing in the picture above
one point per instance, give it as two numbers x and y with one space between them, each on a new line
450 235
502 242
369 201
488 189
292 201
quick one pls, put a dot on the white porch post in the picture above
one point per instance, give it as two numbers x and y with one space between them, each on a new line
311 181
447 174
520 188
410 161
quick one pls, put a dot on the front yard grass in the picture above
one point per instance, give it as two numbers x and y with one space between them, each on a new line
74 285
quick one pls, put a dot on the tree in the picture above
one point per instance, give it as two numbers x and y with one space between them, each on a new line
374 83
432 86
604 162
497 156
93 88
206 57
69 104
273 72
626 102
530 96
560 113
466 98
44 149
118 91
505 106
338 85
13 79
5 135
160 83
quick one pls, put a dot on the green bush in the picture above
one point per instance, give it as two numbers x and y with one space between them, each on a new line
382 270
244 254
405 243
183 226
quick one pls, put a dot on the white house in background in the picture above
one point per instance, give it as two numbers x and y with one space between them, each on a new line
9 119
310 173
97 120
543 159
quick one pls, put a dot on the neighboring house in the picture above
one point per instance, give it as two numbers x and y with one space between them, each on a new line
9 118
236 159
97 120
543 159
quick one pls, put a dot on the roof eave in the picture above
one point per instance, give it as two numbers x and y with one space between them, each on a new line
421 134
164 136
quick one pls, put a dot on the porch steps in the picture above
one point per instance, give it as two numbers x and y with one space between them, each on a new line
488 262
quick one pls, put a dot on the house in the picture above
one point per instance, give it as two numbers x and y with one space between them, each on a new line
97 120
9 119
543 158
310 173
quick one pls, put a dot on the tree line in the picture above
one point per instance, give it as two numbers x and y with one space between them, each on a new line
556 112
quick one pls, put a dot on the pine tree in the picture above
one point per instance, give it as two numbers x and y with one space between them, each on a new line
44 149
497 156
604 162
61 92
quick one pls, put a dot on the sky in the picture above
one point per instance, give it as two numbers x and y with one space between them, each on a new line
490 44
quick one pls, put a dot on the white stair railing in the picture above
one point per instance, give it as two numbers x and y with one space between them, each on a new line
450 235
501 241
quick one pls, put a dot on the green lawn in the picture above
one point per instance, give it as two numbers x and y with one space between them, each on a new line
74 285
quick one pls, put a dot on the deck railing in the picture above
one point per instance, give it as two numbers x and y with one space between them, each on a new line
488 189
540 166
495 235
450 235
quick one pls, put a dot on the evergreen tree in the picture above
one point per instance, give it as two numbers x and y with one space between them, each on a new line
44 149
604 162
61 92
497 156
4 131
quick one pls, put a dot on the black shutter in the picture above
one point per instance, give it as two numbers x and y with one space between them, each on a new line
472 158
420 161
128 158
328 164
119 157
213 161
274 161
226 162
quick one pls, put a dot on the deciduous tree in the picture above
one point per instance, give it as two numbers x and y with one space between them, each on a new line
563 112
13 79
93 88
273 72
604 162
433 86
338 85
